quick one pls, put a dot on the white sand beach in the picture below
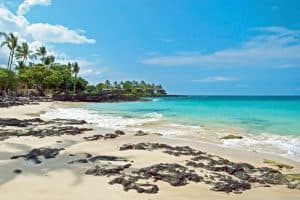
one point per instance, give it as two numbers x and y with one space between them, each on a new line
54 179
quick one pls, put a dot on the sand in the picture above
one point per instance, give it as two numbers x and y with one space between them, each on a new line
54 179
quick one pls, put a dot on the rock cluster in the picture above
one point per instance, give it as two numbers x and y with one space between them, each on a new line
225 175
18 122
93 159
106 170
130 183
176 151
172 173
35 154
56 127
16 101
56 131
117 133
93 97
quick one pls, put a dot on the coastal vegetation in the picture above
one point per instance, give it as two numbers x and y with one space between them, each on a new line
278 164
37 72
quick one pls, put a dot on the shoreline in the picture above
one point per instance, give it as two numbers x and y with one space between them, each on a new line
210 134
88 184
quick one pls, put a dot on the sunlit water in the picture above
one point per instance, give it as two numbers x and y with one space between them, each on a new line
271 123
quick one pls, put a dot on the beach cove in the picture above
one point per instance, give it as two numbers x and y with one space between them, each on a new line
71 169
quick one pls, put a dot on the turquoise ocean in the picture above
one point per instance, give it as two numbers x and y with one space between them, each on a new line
268 122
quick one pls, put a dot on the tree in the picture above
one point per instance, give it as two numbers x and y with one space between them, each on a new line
53 80
81 84
11 42
66 72
75 70
42 52
7 77
23 53
49 60
20 66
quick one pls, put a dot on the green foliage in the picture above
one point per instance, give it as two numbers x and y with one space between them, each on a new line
81 84
56 77
129 88
9 78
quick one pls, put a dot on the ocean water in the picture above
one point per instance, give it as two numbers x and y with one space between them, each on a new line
269 124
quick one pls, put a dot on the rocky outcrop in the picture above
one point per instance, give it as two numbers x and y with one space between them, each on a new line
225 175
35 154
19 123
17 101
106 136
93 97
35 127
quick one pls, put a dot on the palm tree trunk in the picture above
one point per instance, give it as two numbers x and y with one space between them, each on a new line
7 80
74 88
11 60
8 62
23 61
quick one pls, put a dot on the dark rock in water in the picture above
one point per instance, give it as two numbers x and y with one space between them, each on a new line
34 154
17 171
231 137
106 171
129 183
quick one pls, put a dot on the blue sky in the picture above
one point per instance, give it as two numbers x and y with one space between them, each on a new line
189 46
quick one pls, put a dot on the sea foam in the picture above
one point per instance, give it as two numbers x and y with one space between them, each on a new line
287 146
101 120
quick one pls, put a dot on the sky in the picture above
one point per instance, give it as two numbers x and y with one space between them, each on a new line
207 47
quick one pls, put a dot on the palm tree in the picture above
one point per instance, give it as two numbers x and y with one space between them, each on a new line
75 70
48 60
23 53
11 42
20 66
42 52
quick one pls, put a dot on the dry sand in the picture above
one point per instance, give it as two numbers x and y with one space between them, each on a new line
56 180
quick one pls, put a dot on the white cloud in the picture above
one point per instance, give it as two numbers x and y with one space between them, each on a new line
27 4
215 79
273 47
43 32
56 34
